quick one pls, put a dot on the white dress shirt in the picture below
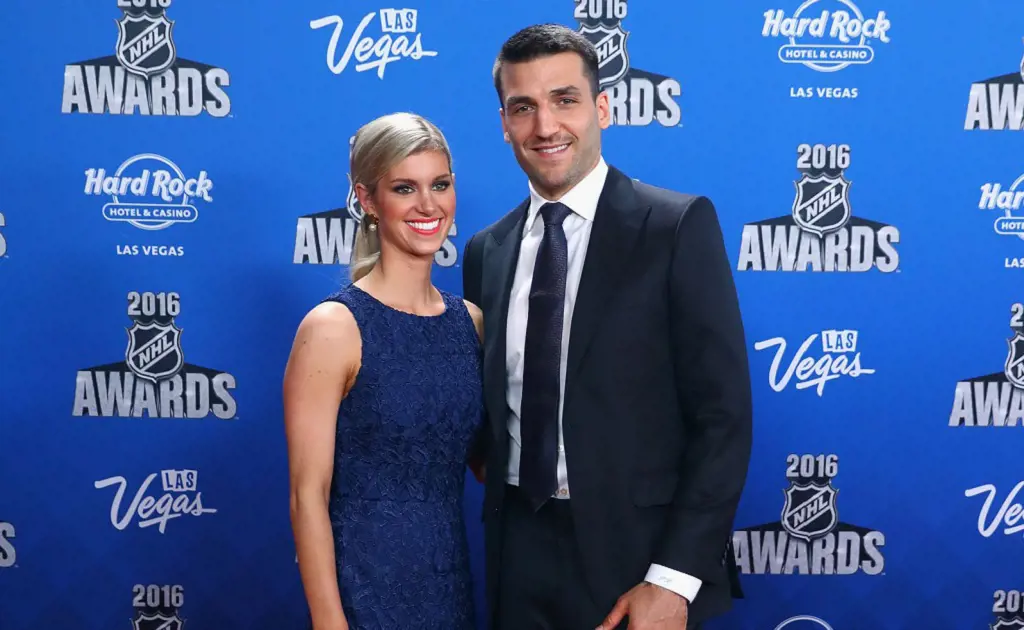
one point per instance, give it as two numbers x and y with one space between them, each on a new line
582 200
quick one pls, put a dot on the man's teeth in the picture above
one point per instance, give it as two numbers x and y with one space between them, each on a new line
560 147
426 226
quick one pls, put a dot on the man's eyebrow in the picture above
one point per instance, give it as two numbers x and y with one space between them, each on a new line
516 100
568 89
558 91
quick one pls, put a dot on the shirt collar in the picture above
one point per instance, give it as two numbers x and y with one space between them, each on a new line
581 199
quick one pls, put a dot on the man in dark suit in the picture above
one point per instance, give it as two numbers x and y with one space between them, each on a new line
615 370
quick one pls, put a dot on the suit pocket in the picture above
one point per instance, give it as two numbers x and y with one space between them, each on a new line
654 488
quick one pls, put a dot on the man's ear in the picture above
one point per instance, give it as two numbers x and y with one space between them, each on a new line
504 127
604 110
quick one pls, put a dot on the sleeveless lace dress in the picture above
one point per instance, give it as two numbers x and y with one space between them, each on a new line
400 467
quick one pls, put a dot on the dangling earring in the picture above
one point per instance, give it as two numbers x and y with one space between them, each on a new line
373 223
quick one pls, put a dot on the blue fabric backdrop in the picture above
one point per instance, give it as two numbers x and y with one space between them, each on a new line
869 183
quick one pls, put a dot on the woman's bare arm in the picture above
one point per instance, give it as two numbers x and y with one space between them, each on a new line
321 368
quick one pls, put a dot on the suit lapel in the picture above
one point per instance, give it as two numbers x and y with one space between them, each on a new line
501 251
618 224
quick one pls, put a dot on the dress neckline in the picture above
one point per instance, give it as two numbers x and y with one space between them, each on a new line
444 300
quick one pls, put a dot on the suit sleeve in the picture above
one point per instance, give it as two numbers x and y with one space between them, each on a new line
472 278
471 271
713 385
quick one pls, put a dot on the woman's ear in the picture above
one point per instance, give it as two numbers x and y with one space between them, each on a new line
365 199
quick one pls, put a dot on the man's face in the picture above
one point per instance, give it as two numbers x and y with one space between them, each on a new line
553 121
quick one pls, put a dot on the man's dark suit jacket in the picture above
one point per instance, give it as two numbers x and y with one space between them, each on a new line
657 414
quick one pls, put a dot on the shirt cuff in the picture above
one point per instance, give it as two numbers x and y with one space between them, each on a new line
679 583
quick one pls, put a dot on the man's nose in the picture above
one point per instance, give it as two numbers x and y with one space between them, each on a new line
547 122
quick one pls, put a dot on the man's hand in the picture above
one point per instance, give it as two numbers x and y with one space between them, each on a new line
650 607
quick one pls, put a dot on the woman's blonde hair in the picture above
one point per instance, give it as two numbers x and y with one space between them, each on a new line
379 146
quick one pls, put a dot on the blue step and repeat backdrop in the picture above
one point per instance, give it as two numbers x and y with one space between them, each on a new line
174 197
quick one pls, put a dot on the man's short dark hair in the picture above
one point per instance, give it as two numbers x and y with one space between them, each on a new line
542 40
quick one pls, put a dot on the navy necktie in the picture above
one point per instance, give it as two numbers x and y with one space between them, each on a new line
538 464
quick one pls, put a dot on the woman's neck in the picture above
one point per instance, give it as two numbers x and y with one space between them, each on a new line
403 284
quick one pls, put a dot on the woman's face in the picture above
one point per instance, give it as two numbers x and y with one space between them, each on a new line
414 204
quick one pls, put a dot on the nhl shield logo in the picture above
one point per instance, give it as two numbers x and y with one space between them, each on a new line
154 350
355 210
796 621
810 510
157 622
144 44
1014 366
1003 624
612 58
822 203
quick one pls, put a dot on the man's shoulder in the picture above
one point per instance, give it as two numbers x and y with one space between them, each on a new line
504 223
666 198
669 207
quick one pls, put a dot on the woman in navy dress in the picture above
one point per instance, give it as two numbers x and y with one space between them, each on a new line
383 396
